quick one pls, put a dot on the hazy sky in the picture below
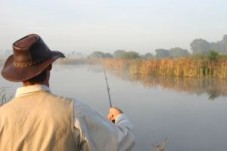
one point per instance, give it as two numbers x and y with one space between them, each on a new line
108 25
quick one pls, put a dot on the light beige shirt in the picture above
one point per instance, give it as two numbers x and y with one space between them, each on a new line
96 132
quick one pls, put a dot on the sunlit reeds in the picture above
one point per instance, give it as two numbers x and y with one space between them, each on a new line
178 67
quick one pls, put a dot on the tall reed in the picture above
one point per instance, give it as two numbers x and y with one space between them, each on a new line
178 67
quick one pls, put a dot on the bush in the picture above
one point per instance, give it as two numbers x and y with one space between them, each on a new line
213 55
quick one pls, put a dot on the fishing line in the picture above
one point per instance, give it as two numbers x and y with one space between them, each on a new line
107 84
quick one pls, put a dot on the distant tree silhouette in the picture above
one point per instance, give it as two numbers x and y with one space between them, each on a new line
200 46
178 52
162 53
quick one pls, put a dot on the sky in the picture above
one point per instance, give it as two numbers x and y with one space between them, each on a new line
109 25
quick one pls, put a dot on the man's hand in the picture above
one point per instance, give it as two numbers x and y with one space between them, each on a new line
113 113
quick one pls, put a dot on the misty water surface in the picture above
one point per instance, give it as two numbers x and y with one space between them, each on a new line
190 114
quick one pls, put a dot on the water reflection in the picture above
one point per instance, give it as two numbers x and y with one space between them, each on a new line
212 87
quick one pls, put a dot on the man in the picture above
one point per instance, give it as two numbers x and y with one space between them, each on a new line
37 120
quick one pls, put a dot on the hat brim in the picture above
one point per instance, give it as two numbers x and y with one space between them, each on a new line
15 74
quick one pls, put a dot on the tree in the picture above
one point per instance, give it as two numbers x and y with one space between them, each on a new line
162 53
200 46
213 55
224 41
131 55
178 52
107 55
148 56
217 46
119 53
97 54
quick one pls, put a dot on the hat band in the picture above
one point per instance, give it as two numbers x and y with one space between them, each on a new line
26 64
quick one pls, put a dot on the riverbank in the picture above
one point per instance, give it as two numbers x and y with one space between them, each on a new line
178 67
194 67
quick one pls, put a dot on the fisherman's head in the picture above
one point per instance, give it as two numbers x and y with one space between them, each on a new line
31 57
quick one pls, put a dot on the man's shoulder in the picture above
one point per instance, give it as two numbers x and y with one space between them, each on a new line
60 98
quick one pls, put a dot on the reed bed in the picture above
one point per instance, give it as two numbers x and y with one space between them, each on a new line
178 67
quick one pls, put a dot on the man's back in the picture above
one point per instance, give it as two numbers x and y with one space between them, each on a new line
37 120
44 122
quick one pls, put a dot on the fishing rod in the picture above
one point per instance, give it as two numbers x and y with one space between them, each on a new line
107 84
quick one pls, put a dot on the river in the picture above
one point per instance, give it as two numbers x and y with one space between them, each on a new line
185 114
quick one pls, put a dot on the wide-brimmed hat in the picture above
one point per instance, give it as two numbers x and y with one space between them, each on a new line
30 57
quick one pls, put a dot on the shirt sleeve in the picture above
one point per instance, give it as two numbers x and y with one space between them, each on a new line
99 134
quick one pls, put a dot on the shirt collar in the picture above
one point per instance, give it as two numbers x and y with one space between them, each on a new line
25 90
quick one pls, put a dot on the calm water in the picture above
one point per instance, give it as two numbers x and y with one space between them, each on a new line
190 114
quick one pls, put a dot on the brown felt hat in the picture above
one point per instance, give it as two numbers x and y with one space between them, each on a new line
30 57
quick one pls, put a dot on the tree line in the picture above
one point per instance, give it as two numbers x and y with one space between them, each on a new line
198 47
